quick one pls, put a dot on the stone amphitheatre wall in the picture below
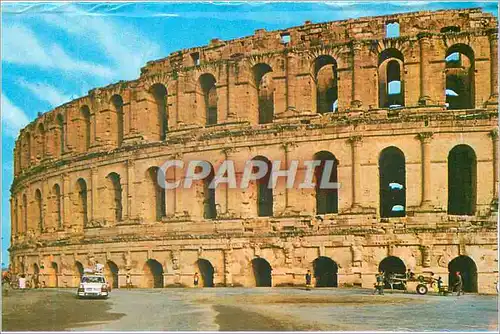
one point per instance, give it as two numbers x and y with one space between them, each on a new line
420 106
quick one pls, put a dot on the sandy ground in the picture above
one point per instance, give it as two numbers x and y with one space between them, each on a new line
240 309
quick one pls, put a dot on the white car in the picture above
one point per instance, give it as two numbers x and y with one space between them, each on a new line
93 285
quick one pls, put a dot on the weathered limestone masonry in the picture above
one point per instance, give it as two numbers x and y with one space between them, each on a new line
406 105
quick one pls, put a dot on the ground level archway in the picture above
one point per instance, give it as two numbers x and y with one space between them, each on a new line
78 273
153 274
111 273
467 268
325 272
262 272
206 271
52 273
392 265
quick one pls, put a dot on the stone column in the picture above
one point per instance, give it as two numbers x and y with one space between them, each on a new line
356 172
45 206
424 43
493 36
130 190
425 139
494 137
66 201
355 55
94 185
290 81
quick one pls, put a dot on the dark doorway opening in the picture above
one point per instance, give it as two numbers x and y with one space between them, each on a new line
155 273
461 181
467 268
112 273
392 265
325 272
262 272
207 272
326 199
392 173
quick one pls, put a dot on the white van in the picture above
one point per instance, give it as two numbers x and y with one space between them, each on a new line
93 285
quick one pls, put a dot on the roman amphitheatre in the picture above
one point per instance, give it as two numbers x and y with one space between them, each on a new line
406 106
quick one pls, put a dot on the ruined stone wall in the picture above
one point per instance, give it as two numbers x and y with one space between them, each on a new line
83 189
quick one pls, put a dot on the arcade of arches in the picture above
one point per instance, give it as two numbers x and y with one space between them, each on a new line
414 155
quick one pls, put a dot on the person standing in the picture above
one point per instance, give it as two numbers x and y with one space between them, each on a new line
128 282
196 279
459 284
308 280
379 285
22 282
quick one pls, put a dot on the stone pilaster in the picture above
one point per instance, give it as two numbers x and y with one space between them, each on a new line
494 137
493 37
94 184
425 140
355 142
424 43
66 201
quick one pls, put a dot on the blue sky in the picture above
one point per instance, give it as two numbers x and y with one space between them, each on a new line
54 52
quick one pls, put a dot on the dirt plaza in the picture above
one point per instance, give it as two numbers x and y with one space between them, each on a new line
236 309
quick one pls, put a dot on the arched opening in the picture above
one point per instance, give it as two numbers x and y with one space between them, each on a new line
153 273
325 79
449 29
85 115
39 209
56 206
82 201
25 213
209 90
459 77
53 271
392 265
264 190
159 93
462 181
117 104
326 197
262 272
392 173
115 196
111 273
467 269
159 194
207 273
36 269
392 30
26 150
390 79
262 74
209 206
62 134
325 272
41 142
77 273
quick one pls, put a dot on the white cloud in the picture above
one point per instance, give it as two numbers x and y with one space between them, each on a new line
13 118
127 49
46 92
21 46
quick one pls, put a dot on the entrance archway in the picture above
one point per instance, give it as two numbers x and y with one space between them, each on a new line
153 273
325 272
111 273
392 265
207 273
78 273
262 272
467 268
52 277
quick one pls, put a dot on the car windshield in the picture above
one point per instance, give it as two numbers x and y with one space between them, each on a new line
92 279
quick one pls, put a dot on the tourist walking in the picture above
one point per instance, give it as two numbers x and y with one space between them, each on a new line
459 284
196 279
308 280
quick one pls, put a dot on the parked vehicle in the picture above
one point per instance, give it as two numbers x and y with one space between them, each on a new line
93 285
